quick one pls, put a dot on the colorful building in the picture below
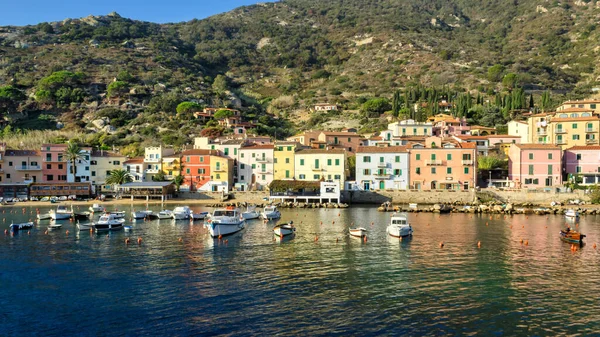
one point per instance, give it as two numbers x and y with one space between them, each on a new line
382 167
446 125
171 166
592 105
410 127
22 166
196 169
102 163
320 164
519 129
135 167
256 166
583 161
82 172
221 178
535 165
283 160
54 167
567 128
442 165
153 160
349 141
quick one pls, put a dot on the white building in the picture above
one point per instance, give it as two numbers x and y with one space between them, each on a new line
82 171
410 127
153 160
255 166
135 167
519 128
382 167
325 107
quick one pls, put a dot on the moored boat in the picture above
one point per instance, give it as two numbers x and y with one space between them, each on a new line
399 226
85 226
108 222
54 226
284 229
199 216
165 214
141 214
225 221
117 214
358 232
61 213
182 213
571 214
571 236
20 226
44 216
251 213
271 212
96 208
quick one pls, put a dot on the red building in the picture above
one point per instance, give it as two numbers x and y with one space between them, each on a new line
54 168
195 166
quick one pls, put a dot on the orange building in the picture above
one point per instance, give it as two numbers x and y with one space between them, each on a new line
196 168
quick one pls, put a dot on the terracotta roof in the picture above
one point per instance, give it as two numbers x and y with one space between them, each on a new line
467 137
575 110
54 145
501 136
584 148
320 151
381 149
198 152
582 102
10 152
345 134
233 142
537 146
467 145
136 160
575 119
177 156
259 147
105 154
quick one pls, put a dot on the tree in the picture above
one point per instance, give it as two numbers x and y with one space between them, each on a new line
73 153
119 177
546 101
188 108
396 103
10 97
117 88
178 181
222 114
510 81
160 176
220 84
495 73
125 76
531 104
375 106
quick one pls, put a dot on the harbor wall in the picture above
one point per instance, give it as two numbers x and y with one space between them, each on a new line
407 196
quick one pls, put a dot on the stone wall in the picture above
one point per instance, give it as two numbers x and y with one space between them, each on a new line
537 197
408 196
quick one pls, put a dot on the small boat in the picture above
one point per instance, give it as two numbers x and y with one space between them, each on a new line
271 212
108 222
225 221
165 214
44 216
54 226
571 236
399 226
85 226
20 226
251 213
182 213
63 198
118 214
199 216
61 213
45 199
81 215
284 229
96 208
141 214
128 228
358 232
571 214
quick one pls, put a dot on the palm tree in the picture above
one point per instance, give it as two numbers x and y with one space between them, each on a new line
119 177
178 181
72 155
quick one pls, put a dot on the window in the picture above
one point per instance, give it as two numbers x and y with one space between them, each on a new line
592 106
226 151
329 161
289 148
466 156
433 170
349 140
397 172
418 156
574 125
87 168
366 159
403 131
549 155
264 177
579 156
48 157
93 173
397 159
381 159
60 166
242 166
337 176
550 169
337 162
414 131
575 137
187 159
466 170
287 173
242 178
449 156
48 166
219 176
302 176
50 177
366 172
10 163
187 171
274 160
578 169
241 155
531 156
199 171
316 163
8 176
287 160
116 162
530 170
418 170
301 162
317 177
235 151
253 155
448 170
433 156
253 166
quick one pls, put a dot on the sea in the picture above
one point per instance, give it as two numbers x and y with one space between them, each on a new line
521 280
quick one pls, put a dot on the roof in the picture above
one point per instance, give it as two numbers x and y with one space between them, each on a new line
468 137
582 102
576 110
344 134
381 149
320 151
199 152
575 119
176 156
233 142
136 160
258 147
54 145
537 146
501 136
481 127
325 104
147 184
105 154
541 114
10 152
584 148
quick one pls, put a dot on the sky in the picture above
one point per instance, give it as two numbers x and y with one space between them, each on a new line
31 12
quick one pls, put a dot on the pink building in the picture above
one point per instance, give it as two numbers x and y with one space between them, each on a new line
54 168
447 126
535 165
442 165
583 161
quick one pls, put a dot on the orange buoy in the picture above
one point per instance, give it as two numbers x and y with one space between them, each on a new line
594 245
220 236
139 241
321 222
67 232
442 244
339 214
337 240
127 241
526 242
316 238
6 232
478 244
486 223
333 222
365 238
180 240
521 241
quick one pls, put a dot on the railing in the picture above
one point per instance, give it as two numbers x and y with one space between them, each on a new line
151 160
316 168
382 176
561 141
263 160
219 169
467 162
295 194
591 141
28 168
264 171
433 162
542 133
152 170
380 164
560 131
590 130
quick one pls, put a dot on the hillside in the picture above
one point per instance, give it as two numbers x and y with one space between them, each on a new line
274 60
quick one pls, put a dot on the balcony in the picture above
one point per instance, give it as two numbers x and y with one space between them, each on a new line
561 141
316 168
263 160
219 169
28 168
433 162
467 162
383 165
378 176
560 131
152 171
542 132
263 171
151 160
590 130
591 141
1 171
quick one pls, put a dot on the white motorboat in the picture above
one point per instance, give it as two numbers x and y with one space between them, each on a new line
108 222
571 214
271 212
199 216
399 226
96 208
54 226
182 213
61 213
85 226
284 229
165 214
21 226
225 221
358 232
141 214
44 216
251 213
117 214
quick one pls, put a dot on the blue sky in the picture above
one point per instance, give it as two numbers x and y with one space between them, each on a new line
31 12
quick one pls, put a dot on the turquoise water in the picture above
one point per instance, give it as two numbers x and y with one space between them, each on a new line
253 284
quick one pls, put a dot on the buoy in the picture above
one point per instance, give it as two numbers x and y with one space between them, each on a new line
321 222
594 245
523 226
220 236
180 240
526 242
67 232
333 222
139 241
441 244
227 241
127 241
339 214
28 232
316 238
46 232
337 240
365 238
521 241
486 223
6 232
478 244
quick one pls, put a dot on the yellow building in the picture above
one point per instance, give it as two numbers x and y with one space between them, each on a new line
221 173
320 164
592 104
171 166
566 128
101 164
283 160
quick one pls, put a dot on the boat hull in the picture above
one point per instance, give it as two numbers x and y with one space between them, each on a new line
250 215
60 216
284 230
400 231
180 216
21 226
220 229
358 232
108 227
271 216
85 227
44 216
572 237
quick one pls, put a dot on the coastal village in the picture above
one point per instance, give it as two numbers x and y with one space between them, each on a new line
543 150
